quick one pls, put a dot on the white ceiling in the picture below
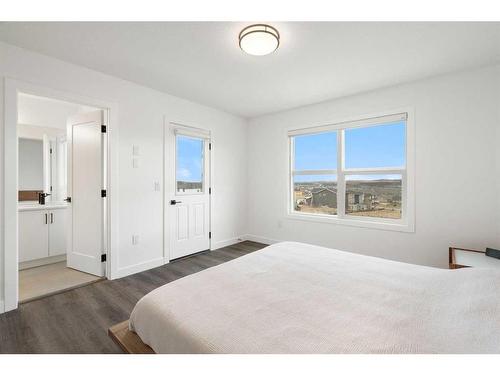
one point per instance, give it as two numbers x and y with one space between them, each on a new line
201 61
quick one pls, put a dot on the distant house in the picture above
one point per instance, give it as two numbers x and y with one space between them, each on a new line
324 197
188 186
301 201
360 201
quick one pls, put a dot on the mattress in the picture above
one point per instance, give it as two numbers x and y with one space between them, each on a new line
298 298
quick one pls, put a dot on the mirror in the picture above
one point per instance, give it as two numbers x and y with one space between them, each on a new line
42 164
30 165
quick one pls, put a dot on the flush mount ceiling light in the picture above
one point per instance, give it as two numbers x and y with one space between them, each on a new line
259 39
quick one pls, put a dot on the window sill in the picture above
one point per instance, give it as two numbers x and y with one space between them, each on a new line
398 226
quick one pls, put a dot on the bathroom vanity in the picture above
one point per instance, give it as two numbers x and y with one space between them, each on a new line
42 233
41 172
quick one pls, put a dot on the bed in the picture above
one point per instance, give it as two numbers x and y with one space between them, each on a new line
298 298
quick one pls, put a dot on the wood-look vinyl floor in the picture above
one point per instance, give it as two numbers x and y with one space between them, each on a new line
77 321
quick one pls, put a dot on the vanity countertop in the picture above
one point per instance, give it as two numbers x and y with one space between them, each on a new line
35 206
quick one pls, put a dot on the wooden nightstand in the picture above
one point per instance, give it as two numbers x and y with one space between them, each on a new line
460 258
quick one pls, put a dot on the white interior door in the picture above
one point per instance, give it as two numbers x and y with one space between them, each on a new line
190 200
86 160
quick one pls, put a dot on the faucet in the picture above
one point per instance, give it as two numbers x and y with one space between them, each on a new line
41 197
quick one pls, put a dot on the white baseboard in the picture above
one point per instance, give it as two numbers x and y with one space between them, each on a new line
224 243
2 307
42 262
126 271
264 240
130 270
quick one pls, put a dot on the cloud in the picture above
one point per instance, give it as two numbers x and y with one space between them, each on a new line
183 173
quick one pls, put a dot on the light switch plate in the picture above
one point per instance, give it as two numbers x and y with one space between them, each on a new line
135 163
135 150
135 239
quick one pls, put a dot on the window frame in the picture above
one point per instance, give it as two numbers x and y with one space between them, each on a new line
407 222
204 140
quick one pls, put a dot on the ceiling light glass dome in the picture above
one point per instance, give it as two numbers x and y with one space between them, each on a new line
259 39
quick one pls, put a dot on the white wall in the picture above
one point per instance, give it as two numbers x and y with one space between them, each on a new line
140 122
37 132
457 164
30 164
46 112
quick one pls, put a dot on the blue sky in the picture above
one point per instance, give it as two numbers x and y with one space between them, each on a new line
189 159
377 146
312 178
370 147
333 178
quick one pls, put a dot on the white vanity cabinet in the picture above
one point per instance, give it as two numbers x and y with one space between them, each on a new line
57 231
42 232
33 235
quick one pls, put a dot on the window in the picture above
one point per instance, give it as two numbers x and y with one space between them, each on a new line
315 176
189 164
352 173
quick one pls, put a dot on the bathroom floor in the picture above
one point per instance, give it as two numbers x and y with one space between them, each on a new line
49 279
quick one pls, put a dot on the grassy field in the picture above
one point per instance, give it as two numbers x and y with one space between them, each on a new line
324 210
388 213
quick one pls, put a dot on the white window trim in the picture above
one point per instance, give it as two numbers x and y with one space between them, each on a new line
407 222
204 136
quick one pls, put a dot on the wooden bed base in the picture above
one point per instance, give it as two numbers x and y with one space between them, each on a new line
128 341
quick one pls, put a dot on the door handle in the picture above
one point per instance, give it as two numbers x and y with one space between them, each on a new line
51 218
46 219
173 202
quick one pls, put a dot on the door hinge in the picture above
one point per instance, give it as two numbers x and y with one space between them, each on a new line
103 193
103 128
210 190
50 187
51 150
209 235
103 257
210 146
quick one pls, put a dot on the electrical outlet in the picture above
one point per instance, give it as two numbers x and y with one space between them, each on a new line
135 239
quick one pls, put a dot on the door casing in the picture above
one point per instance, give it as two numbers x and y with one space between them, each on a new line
12 88
169 180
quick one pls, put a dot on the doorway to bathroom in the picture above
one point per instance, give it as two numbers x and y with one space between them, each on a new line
61 195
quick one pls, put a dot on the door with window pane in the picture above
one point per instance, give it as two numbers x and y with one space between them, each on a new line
189 203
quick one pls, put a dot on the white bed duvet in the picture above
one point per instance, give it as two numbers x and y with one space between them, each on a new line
298 298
